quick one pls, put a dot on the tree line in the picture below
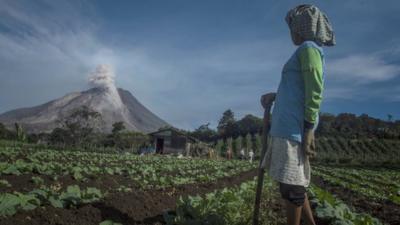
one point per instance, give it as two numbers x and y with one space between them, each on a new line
346 125
81 130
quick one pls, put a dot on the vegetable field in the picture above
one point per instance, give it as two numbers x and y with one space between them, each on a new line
374 191
47 186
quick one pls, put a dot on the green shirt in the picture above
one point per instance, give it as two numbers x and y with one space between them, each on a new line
312 72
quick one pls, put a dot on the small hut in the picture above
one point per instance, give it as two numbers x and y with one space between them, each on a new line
171 140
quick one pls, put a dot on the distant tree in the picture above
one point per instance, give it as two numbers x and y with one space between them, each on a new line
59 136
81 125
249 143
6 133
205 133
21 136
131 140
237 145
227 126
325 125
118 127
220 147
250 124
390 117
257 145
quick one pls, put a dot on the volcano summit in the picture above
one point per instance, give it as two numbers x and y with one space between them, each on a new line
114 104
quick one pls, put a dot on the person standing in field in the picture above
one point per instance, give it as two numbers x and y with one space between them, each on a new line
251 155
296 108
229 153
242 157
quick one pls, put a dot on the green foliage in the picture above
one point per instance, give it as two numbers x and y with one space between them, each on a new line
21 136
118 127
109 222
257 145
4 183
73 196
232 206
130 140
6 133
249 143
204 133
249 124
77 128
352 126
336 212
10 203
220 147
377 184
147 172
227 126
37 180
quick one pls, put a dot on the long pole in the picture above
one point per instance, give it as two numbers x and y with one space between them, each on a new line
261 167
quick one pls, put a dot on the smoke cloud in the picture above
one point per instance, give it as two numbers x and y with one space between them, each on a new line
102 77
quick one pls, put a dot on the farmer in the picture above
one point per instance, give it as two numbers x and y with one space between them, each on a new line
251 155
242 154
211 153
229 153
296 108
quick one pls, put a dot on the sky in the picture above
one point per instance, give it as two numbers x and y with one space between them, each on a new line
188 61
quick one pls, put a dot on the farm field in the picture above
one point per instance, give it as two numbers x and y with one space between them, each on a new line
366 152
374 190
45 186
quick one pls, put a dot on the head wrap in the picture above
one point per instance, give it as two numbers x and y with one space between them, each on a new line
311 24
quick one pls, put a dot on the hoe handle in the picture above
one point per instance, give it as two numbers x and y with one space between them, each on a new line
261 169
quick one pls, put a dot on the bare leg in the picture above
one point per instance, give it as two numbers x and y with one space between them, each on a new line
307 213
293 213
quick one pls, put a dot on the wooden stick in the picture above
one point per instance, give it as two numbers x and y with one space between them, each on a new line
261 169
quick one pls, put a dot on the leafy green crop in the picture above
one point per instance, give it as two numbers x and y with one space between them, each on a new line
5 183
109 222
232 206
73 196
37 180
10 203
338 213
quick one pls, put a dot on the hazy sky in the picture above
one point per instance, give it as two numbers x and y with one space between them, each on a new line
188 61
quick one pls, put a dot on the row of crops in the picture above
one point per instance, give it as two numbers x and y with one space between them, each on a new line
234 206
146 172
31 177
376 184
375 152
34 178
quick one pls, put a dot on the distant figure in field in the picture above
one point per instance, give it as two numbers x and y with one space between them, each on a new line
229 153
251 155
296 108
211 153
242 154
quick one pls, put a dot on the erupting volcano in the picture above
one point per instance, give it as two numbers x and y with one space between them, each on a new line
114 104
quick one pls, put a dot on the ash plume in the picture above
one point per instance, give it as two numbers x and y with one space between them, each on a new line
103 77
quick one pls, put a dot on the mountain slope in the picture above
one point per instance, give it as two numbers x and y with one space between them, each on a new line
113 105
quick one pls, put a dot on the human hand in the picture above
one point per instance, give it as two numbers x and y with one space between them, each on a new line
308 143
267 100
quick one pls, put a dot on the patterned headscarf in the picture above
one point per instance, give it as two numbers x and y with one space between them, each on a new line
311 24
